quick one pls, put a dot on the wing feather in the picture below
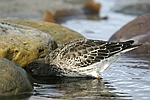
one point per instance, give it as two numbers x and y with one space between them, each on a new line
80 53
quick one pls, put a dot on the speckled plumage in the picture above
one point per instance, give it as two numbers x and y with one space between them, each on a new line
80 58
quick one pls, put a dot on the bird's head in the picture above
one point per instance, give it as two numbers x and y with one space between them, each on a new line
38 67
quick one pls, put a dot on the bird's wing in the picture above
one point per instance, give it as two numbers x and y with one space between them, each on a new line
83 52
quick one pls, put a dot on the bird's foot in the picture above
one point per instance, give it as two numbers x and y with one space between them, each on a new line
98 77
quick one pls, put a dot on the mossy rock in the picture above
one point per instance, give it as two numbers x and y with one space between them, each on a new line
22 44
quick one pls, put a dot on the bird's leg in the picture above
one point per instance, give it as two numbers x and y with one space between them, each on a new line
98 77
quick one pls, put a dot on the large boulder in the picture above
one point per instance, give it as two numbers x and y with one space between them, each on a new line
138 30
13 79
22 44
59 33
136 7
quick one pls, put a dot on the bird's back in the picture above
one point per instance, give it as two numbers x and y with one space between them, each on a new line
85 56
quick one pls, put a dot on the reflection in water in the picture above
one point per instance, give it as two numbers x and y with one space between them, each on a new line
73 88
135 61
24 96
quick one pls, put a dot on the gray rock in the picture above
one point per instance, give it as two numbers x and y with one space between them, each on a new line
135 7
13 79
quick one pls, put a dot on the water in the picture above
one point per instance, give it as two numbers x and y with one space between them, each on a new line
130 76
126 79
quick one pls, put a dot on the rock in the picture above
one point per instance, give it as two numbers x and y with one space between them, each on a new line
22 44
138 30
92 7
13 79
136 7
48 17
59 33
28 9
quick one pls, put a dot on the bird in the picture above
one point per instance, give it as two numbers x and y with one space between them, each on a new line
80 58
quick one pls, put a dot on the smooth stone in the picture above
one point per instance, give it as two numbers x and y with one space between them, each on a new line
135 7
13 79
22 44
59 33
138 30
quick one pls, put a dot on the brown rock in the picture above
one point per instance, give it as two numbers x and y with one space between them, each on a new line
13 79
48 17
93 7
22 44
138 30
62 13
59 33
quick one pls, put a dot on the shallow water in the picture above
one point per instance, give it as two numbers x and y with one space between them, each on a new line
127 78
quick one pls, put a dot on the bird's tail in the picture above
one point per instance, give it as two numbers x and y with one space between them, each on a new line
129 45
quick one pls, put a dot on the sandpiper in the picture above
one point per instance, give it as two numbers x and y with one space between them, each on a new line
80 58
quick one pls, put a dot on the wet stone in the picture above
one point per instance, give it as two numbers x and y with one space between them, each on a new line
13 79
